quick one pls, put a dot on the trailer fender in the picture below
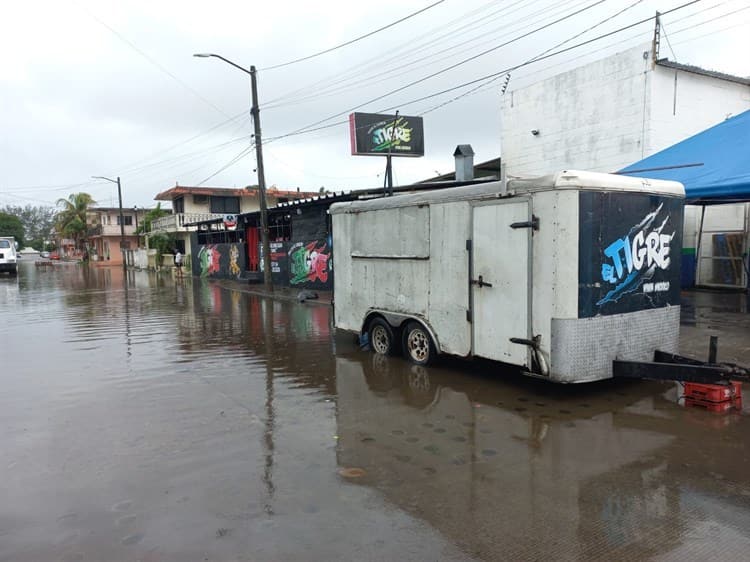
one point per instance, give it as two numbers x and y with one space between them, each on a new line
397 320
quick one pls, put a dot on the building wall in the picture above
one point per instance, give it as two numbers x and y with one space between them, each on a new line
591 118
610 113
247 204
108 220
684 104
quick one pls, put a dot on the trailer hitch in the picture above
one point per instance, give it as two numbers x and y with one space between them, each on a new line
673 367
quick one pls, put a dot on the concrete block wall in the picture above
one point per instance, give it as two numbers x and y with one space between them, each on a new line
592 118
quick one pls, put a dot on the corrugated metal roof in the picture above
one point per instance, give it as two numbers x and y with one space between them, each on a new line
703 72
178 190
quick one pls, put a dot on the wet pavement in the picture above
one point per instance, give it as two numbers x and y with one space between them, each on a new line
144 418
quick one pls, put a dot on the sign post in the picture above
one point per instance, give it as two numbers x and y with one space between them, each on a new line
373 134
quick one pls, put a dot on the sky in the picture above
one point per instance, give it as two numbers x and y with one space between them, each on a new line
110 88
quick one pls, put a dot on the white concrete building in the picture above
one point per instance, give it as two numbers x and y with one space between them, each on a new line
616 111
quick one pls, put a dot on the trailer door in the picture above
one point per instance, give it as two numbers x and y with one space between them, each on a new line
500 280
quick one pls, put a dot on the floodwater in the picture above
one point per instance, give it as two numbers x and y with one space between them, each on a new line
144 418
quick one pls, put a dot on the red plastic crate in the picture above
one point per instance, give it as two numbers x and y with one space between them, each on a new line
713 392
717 407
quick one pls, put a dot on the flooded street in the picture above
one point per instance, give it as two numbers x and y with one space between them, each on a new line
147 418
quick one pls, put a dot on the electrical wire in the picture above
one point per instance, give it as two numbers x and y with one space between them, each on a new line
132 165
356 39
712 19
669 44
558 45
484 78
391 72
244 152
451 67
412 47
151 60
689 39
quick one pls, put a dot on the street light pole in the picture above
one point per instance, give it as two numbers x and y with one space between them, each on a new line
122 219
255 112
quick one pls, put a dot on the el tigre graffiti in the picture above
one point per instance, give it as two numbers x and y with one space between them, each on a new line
308 262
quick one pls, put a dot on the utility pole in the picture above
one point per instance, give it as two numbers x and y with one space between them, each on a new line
122 219
261 184
122 226
255 112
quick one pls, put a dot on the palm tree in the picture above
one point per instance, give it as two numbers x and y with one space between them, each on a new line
71 220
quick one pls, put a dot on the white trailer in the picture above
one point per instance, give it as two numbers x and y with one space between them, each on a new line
559 275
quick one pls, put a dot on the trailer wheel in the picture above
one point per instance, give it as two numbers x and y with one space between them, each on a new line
418 346
382 340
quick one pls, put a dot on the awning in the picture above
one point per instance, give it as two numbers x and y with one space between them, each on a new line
714 165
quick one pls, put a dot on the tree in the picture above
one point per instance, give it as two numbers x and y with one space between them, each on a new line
71 220
150 217
38 222
11 225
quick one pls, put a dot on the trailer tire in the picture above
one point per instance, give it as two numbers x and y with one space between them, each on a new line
417 344
382 338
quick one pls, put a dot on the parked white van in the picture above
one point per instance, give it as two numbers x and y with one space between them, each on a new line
8 256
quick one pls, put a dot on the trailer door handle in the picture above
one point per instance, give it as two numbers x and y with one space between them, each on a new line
480 282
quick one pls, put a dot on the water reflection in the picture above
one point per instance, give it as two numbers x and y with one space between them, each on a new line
567 473
177 419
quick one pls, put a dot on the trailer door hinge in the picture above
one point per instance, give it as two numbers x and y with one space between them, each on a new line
533 223
468 245
468 315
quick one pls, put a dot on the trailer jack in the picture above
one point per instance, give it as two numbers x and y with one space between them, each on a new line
672 367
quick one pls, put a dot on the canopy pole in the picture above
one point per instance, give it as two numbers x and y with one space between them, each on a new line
698 244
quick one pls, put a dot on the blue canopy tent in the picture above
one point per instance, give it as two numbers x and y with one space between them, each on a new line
713 165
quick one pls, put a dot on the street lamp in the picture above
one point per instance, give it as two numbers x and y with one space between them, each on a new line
255 112
122 220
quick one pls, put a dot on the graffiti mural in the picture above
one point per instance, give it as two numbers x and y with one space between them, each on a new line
633 259
629 252
308 263
234 268
209 259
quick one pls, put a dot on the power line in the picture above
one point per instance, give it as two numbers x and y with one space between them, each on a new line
711 20
689 39
568 40
451 67
154 62
351 41
130 166
486 77
391 73
244 152
381 61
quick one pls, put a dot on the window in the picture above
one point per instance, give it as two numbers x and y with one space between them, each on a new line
4 244
178 205
127 218
200 199
225 205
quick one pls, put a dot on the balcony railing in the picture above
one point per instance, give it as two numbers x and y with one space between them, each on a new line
178 221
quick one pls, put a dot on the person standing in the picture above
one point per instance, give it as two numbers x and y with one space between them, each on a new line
178 262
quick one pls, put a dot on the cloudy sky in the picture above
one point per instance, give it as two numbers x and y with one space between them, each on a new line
108 88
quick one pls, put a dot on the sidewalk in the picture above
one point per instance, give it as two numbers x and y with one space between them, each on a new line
706 313
325 298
